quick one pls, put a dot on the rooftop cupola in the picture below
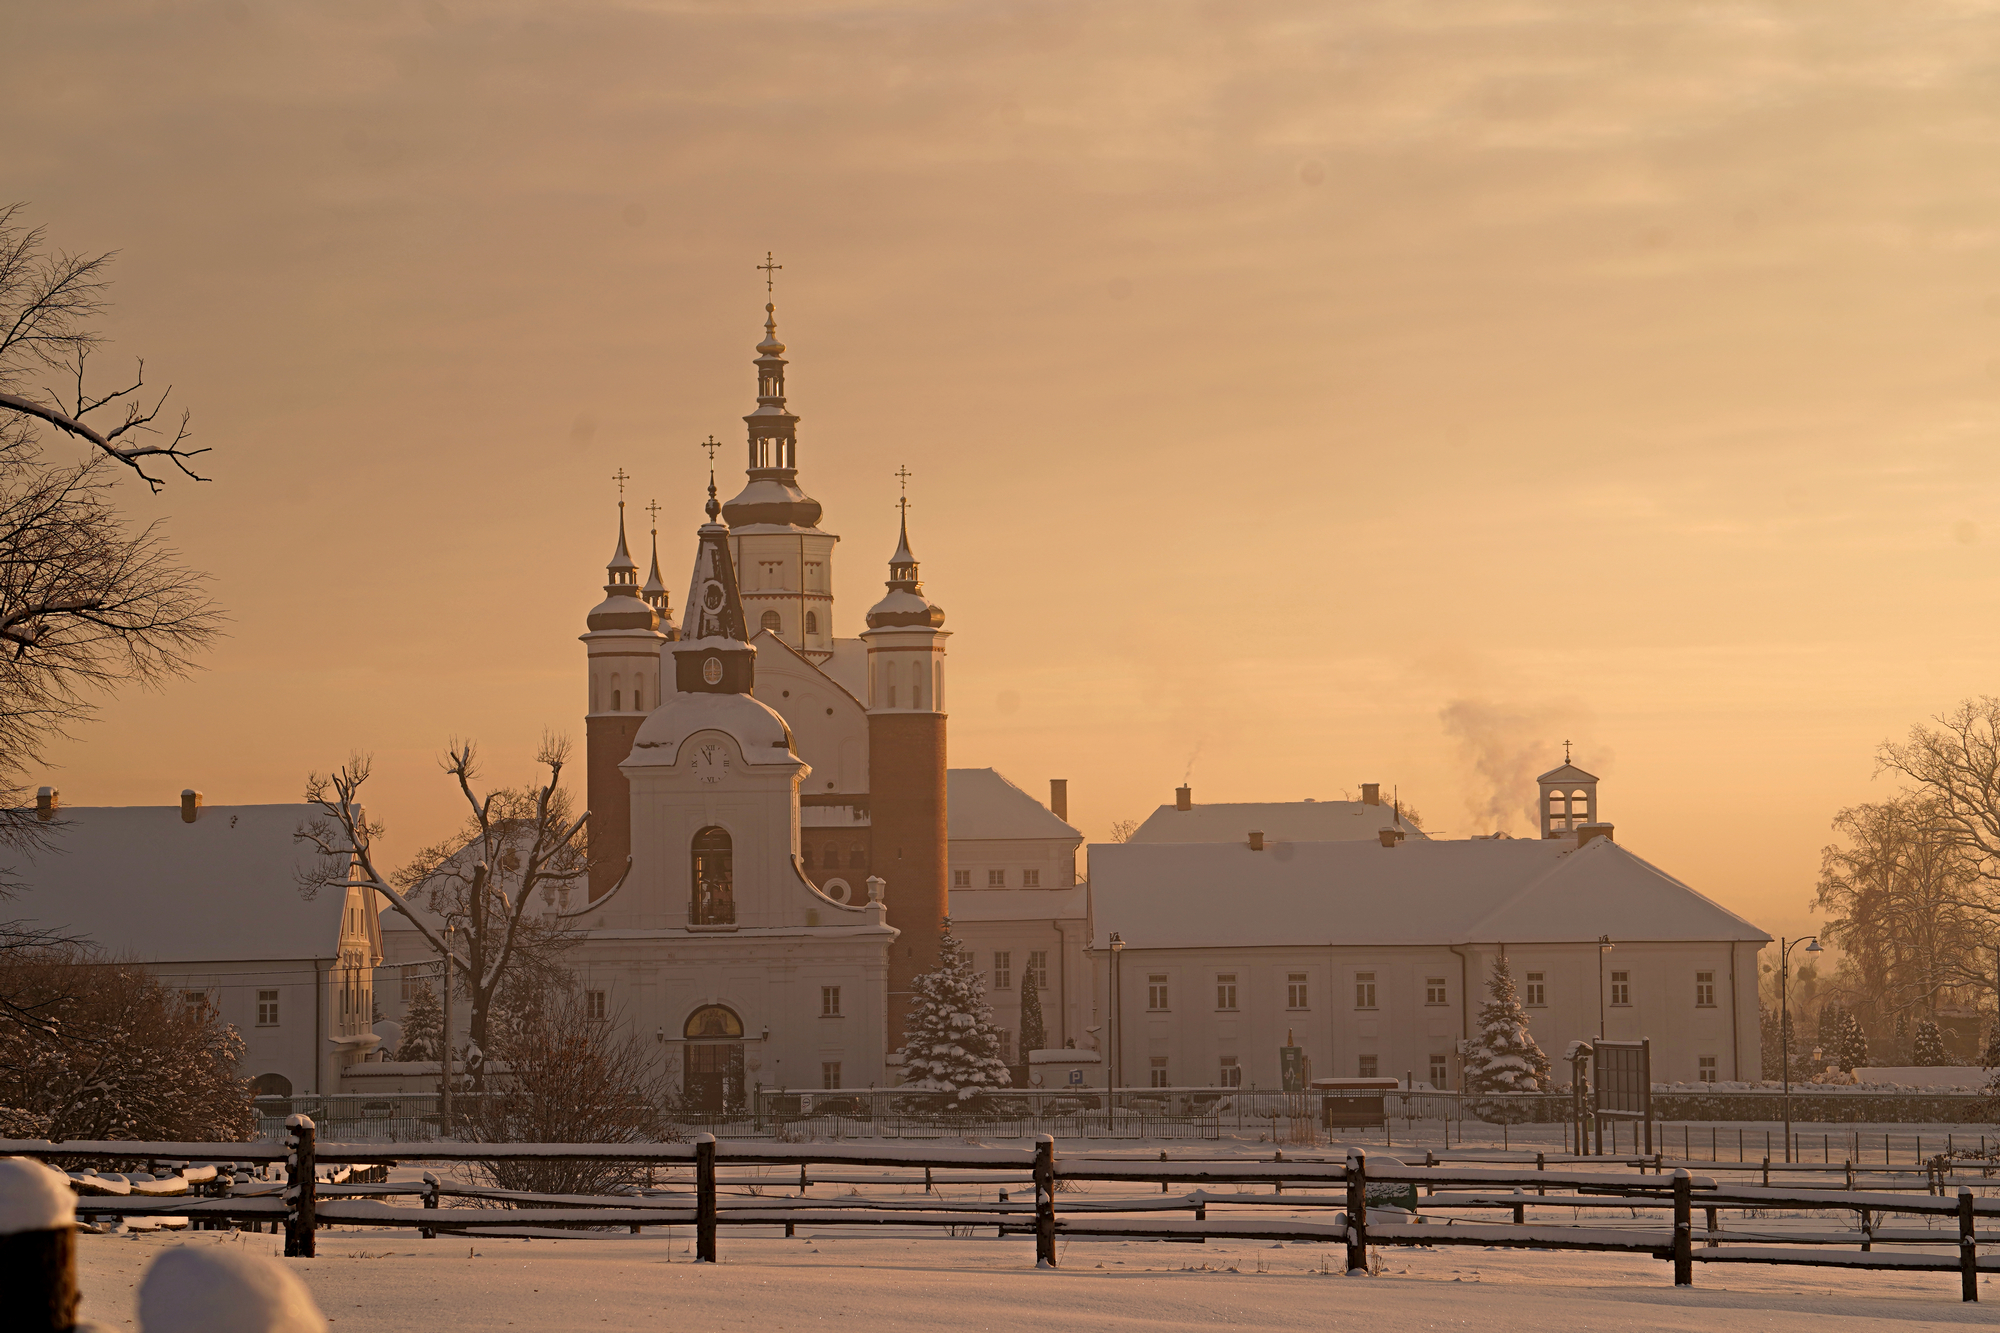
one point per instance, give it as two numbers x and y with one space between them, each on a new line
905 605
654 594
622 607
772 496
1568 799
714 655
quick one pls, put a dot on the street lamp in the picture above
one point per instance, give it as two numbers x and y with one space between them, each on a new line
1785 1022
1603 943
1117 1013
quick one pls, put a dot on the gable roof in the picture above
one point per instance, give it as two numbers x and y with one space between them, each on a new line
143 884
1525 890
1280 821
980 803
1567 772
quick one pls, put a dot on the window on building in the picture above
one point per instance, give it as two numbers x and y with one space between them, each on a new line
1621 988
617 700
829 1002
1038 968
829 1074
772 621
1705 1066
714 879
1434 990
1159 1072
1003 970
267 1008
1364 990
1367 1066
996 879
1440 1072
1295 991
1156 991
1006 1047
1031 879
857 860
1225 990
1538 988
1230 1075
198 999
1704 990
593 1006
638 698
812 622
961 879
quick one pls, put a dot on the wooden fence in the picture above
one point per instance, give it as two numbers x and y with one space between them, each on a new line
311 1196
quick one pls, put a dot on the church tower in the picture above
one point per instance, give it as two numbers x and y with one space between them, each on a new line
906 770
623 644
784 562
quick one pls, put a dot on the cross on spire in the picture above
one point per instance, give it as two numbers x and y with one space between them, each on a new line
1565 752
769 271
713 507
903 475
621 476
653 508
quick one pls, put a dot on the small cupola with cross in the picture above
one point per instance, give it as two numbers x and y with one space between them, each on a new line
1568 799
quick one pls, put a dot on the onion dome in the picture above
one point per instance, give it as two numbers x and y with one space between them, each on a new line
622 607
772 495
905 606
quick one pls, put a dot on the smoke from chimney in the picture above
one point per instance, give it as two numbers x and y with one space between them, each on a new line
1505 747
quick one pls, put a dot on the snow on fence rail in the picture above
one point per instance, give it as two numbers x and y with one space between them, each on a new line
305 1202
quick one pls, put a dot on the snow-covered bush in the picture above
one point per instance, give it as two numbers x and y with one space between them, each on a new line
1502 1055
949 1041
423 1026
1034 1029
1930 1044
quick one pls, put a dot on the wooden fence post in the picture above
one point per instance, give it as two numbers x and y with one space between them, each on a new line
1712 1241
430 1201
1683 1228
1357 1212
704 1200
1045 1201
300 1219
1968 1248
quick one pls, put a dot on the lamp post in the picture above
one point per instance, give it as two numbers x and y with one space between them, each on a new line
1117 1014
1785 1022
1603 943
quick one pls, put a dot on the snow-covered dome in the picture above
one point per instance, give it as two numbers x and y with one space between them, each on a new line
623 610
772 500
905 606
756 727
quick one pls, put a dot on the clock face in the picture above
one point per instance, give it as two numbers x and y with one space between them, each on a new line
711 763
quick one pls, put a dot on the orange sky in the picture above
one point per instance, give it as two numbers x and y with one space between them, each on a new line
1296 394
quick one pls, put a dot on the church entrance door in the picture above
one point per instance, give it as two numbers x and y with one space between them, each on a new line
712 1076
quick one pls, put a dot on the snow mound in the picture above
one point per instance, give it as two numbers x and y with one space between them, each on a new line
216 1290
33 1197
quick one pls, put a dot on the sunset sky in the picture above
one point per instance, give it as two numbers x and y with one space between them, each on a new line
1297 395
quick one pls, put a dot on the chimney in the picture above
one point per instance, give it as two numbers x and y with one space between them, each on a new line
190 804
1059 798
1586 832
1256 840
47 801
1371 793
1390 837
1184 798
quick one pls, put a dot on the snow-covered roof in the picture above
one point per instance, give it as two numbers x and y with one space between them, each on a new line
1279 821
1516 890
1019 904
1567 772
145 885
757 728
980 803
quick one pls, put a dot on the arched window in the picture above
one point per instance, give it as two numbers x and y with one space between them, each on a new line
892 682
713 1022
714 902
638 696
812 622
270 1085
617 700
712 1073
773 622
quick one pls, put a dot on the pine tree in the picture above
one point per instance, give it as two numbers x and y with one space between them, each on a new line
1930 1044
949 1041
1842 1043
1034 1031
423 1026
1502 1056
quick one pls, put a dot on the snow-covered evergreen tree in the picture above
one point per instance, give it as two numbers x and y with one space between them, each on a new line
423 1026
949 1041
1034 1029
1842 1043
1930 1044
1502 1055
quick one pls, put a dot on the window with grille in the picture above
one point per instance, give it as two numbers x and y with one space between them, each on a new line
961 879
1706 1066
1156 991
1006 1047
1031 879
1225 990
829 1074
1440 1072
812 622
1434 990
1003 970
593 1006
1364 990
267 1008
1367 1066
1038 968
1159 1072
829 1002
1621 988
996 879
1704 990
1295 991
1538 989
1231 1073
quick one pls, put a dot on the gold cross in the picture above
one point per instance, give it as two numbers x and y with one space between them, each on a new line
711 444
621 477
903 475
1565 752
654 510
769 270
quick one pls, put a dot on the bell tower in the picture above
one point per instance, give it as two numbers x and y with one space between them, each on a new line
906 770
623 647
1568 799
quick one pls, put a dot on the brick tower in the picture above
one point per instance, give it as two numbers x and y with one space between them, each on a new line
623 644
906 771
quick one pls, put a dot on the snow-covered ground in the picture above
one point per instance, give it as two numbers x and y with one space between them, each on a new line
395 1281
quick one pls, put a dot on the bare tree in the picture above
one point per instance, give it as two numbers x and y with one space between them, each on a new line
494 899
